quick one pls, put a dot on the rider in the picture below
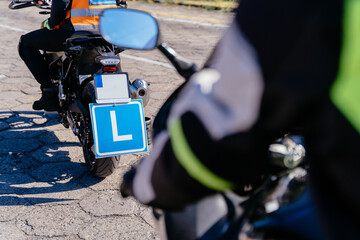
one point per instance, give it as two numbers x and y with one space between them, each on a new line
66 17
280 65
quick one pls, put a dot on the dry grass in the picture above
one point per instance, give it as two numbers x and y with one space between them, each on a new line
226 5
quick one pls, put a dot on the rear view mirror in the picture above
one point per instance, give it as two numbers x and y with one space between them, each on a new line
128 28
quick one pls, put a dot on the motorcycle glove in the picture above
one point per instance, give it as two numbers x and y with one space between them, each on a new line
45 24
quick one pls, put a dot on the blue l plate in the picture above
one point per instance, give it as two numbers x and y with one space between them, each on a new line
118 128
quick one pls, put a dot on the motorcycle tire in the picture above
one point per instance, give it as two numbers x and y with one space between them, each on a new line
99 167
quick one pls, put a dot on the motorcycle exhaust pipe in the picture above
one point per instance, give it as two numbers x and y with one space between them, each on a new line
139 89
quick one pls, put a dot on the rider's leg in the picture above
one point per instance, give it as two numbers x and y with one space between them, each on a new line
29 46
48 101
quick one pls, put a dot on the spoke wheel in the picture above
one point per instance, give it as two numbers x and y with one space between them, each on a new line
99 167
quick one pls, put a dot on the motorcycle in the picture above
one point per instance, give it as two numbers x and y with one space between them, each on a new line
97 101
281 208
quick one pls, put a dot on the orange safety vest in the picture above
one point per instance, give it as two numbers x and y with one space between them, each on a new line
85 14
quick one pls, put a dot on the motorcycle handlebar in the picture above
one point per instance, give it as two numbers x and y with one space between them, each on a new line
184 67
15 4
22 1
18 4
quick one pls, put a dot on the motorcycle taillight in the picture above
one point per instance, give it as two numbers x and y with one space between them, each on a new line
110 69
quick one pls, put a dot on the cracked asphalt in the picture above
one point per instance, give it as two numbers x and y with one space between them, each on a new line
45 189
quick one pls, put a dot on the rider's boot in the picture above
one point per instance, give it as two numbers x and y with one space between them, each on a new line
49 100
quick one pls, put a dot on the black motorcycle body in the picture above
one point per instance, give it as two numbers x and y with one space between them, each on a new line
73 74
281 208
87 56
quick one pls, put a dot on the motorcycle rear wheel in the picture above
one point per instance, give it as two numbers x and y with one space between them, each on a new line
99 167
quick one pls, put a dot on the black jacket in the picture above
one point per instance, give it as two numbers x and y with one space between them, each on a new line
58 13
274 69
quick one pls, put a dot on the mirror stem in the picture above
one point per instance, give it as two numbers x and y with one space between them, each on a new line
184 67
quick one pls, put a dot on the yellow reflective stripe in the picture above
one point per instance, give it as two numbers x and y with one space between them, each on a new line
345 92
189 161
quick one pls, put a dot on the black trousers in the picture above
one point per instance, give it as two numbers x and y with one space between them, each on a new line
43 39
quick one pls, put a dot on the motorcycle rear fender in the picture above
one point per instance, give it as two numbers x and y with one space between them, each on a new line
78 107
86 79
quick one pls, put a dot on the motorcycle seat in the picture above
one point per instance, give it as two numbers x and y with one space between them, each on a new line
83 37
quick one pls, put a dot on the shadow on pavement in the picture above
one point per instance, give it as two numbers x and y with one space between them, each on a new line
35 165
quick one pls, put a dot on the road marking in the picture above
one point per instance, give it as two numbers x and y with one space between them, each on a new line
13 28
194 20
121 54
146 60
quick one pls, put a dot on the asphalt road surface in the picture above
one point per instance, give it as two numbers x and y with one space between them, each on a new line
45 189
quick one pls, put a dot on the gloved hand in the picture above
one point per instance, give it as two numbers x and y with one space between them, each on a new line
45 24
126 185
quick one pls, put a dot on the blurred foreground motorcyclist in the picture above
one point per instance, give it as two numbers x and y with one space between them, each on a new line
280 65
66 17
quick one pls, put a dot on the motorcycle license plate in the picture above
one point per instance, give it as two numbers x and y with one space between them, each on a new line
118 128
112 88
